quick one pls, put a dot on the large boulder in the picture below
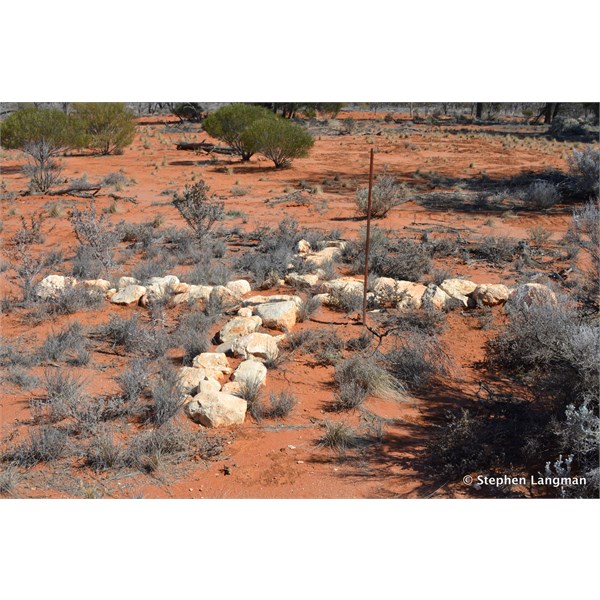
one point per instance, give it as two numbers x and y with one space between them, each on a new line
239 287
129 295
232 387
255 345
215 364
278 315
209 385
490 294
239 327
533 293
250 371
216 409
53 285
225 295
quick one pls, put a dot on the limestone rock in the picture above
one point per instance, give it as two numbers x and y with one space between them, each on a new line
190 378
256 300
96 284
161 287
232 387
322 257
303 247
215 364
125 281
256 345
458 287
249 371
129 295
533 293
193 294
278 315
239 287
209 385
490 294
301 281
239 327
346 284
52 285
217 409
435 297
402 294
244 312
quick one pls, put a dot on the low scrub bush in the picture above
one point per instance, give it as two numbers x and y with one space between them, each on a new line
584 166
386 194
338 436
497 250
416 359
166 395
44 444
541 194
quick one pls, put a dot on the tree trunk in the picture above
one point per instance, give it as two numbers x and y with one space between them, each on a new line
478 110
548 111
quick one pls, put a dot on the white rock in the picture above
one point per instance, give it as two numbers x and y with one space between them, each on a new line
435 297
193 294
207 386
217 409
125 281
52 285
303 247
249 371
322 257
233 387
239 327
239 287
256 345
190 378
346 284
161 287
225 295
278 315
214 363
129 295
96 284
302 281
256 300
458 287
533 293
404 294
244 312
490 294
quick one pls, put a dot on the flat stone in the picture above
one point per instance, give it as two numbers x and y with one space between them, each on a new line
129 295
256 300
212 362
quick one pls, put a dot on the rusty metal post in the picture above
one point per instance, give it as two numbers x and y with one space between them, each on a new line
367 241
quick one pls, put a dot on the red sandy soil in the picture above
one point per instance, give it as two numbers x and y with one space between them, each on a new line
281 459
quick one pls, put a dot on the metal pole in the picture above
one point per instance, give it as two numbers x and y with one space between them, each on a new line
367 242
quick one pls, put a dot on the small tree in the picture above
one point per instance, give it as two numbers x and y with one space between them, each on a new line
42 134
229 123
199 210
107 126
279 140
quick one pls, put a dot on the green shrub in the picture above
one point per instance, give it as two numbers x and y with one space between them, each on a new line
229 123
107 126
32 125
278 140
